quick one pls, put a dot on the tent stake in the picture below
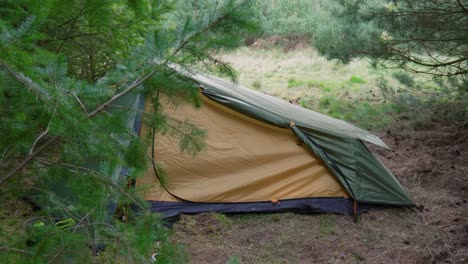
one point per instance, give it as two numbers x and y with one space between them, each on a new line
355 212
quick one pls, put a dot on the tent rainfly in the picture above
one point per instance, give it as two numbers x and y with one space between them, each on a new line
263 154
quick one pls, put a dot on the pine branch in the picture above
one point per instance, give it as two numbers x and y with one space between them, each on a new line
98 176
26 81
70 30
462 6
44 96
142 79
73 36
80 13
188 39
73 231
30 157
134 85
12 36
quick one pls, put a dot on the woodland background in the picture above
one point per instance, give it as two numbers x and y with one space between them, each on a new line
398 68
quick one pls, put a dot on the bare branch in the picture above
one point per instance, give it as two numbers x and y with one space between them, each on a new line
15 250
39 138
462 6
81 104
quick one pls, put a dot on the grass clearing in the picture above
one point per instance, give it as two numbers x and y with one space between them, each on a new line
275 69
350 92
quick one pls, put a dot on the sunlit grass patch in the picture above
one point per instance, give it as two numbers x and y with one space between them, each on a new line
356 79
294 83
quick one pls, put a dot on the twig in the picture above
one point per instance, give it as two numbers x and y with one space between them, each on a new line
81 104
135 84
435 168
82 219
460 128
15 250
39 138
445 243
73 231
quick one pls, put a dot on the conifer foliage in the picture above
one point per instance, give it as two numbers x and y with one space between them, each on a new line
64 66
418 36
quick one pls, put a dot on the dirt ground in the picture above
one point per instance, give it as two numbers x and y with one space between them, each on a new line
431 162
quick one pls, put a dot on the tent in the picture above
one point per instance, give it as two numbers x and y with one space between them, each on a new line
263 154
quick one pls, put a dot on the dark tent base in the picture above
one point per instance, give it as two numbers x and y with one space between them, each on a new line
305 205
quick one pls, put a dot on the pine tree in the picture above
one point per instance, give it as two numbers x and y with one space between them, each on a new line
64 67
419 44
419 36
413 39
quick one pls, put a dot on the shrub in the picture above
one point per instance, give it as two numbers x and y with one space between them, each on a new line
257 84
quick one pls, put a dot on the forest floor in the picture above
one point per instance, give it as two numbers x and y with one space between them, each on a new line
430 159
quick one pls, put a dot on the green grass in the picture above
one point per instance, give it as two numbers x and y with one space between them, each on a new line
221 218
356 79
233 260
326 225
278 72
294 83
315 84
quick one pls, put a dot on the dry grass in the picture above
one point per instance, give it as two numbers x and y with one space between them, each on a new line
273 68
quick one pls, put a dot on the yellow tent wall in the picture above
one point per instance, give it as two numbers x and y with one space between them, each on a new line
244 160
